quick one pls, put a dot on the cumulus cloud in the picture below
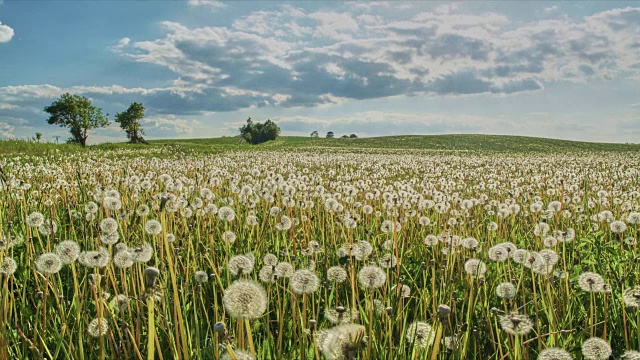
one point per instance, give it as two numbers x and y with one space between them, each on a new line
310 56
6 33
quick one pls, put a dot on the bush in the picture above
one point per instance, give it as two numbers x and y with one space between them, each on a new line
256 133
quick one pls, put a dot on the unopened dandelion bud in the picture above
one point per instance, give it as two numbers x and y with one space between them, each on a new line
443 310
220 328
151 274
389 310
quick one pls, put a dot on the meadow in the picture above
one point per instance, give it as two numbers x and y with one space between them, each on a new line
451 247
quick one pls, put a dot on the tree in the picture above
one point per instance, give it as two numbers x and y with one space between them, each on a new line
130 122
344 136
38 136
353 136
330 134
76 113
256 133
315 134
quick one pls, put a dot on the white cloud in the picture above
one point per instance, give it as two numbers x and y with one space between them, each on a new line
551 9
6 130
310 55
207 3
6 33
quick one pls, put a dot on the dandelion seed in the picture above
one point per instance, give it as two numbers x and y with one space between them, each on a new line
245 299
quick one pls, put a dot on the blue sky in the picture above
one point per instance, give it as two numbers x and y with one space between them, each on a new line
555 69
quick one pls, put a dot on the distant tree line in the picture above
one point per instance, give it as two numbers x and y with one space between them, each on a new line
331 135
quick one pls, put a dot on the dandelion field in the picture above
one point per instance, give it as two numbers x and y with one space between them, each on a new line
319 254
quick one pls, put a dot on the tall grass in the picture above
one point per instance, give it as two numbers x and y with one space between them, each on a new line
313 211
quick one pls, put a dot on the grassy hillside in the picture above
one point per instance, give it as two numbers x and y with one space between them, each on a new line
474 143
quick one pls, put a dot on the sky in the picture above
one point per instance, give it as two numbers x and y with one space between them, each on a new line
568 70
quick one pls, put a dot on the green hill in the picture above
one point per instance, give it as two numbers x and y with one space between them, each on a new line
455 143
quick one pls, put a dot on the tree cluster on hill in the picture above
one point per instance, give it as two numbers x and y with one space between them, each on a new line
331 135
256 132
79 115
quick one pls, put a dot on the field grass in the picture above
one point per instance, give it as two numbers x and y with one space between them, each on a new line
442 143
418 248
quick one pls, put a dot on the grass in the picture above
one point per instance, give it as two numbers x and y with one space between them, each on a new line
441 143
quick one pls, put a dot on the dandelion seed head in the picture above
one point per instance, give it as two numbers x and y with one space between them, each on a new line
8 266
515 324
596 349
304 282
48 263
98 327
68 251
421 334
371 277
336 274
153 227
245 299
554 354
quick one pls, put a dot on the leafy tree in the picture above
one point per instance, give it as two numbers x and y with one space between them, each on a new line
76 113
130 122
247 130
315 134
38 136
344 136
353 136
330 134
256 133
